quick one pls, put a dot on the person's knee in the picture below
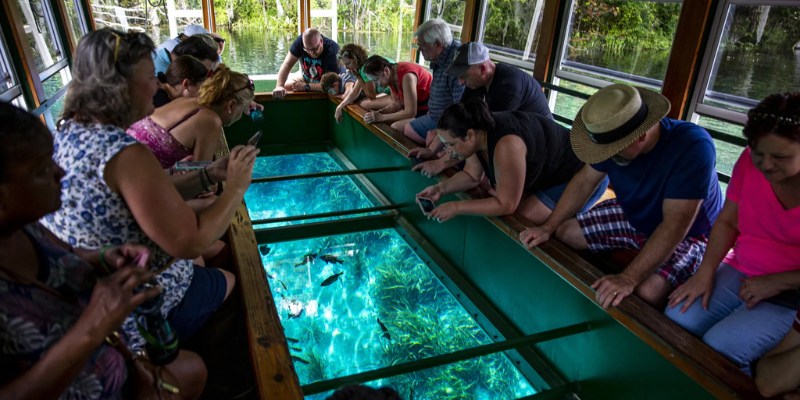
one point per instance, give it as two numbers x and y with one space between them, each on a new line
230 282
570 233
654 290
191 373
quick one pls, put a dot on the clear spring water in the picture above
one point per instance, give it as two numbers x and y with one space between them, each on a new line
360 301
305 196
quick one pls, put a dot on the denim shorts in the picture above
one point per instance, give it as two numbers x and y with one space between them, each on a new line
422 125
551 195
204 295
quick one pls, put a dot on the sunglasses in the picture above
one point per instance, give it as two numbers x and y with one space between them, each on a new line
250 85
219 40
345 53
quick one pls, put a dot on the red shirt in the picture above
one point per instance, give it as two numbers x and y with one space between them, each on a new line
424 79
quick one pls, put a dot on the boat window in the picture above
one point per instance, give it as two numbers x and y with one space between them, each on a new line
8 80
388 32
510 29
160 19
76 23
451 11
40 32
607 41
753 52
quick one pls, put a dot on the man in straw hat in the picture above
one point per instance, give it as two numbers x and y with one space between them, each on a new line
663 172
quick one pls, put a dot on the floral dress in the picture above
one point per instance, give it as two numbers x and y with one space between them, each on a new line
33 319
92 216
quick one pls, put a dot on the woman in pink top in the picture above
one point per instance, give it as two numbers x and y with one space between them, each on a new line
748 296
410 86
192 126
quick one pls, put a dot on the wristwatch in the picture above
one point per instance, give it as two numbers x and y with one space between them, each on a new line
308 87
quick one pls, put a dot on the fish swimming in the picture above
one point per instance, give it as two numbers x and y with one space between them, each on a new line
331 279
292 340
264 250
308 258
331 259
300 360
385 331
296 348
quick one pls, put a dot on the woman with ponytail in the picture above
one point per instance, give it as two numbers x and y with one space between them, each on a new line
527 158
182 79
410 87
192 126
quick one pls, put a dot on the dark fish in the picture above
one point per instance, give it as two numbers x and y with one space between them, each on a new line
331 279
384 330
300 360
292 340
264 250
279 281
295 348
308 258
297 314
332 259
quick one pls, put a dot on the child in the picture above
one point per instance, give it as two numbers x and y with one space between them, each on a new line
337 84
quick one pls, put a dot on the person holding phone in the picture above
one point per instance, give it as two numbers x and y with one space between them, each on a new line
526 157
192 126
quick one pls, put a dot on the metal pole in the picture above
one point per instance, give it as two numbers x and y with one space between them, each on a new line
324 215
327 173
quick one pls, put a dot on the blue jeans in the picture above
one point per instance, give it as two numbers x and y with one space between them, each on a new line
741 334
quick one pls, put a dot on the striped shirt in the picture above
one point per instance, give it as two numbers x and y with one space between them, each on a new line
445 89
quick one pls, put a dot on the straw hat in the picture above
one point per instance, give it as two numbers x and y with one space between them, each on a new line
613 118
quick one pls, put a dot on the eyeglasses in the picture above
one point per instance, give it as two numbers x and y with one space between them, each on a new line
219 40
313 49
251 85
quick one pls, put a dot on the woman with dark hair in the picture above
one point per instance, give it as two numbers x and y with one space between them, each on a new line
56 310
182 79
748 279
192 126
526 156
410 87
353 57
115 191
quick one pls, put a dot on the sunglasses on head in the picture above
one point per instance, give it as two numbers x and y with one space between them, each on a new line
345 53
250 85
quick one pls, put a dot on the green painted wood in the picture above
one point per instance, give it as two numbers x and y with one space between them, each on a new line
284 123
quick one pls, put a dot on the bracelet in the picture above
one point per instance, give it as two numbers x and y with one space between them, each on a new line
208 176
103 262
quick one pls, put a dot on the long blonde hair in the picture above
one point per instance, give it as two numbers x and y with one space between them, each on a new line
103 63
225 84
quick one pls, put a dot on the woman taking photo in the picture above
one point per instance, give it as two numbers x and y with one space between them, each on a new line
352 57
747 282
115 191
527 158
410 86
56 311
192 126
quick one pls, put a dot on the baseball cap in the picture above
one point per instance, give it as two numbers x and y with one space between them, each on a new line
467 54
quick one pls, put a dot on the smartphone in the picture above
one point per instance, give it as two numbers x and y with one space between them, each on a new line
253 141
427 205
190 165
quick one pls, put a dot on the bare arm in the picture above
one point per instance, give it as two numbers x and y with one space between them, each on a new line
723 236
779 371
369 89
206 127
510 168
162 214
464 180
678 217
409 110
575 195
112 300
283 75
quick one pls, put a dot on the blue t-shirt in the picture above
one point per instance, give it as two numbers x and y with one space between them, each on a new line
682 165
313 68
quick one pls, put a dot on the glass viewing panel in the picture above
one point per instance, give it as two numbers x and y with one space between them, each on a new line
511 28
37 21
361 301
302 196
611 40
757 55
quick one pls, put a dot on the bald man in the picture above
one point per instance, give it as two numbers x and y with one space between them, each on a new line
317 55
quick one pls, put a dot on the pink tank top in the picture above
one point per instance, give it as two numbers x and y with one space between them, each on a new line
164 146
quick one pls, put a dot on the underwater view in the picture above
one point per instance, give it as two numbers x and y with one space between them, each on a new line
287 198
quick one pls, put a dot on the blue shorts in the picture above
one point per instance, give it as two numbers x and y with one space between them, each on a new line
422 125
550 196
204 295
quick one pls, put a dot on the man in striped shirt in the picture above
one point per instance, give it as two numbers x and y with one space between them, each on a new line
435 42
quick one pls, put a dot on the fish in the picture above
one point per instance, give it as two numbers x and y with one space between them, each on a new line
300 360
292 340
296 348
296 314
385 331
331 259
278 280
264 250
331 279
308 258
